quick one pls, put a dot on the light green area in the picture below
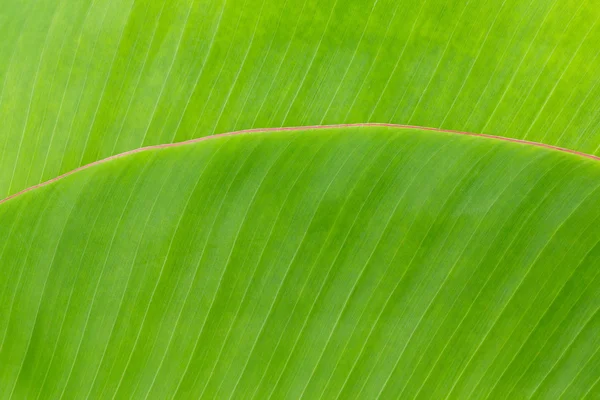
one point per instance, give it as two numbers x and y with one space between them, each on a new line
84 79
339 263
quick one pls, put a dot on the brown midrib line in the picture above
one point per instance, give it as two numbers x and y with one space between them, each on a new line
297 128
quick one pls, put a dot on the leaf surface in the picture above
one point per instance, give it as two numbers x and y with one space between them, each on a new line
348 262
81 80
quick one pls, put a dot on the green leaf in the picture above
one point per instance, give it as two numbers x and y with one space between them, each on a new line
349 263
81 80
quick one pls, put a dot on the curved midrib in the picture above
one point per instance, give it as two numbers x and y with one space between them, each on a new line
297 128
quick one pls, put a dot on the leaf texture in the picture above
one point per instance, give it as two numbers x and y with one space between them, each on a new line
326 263
81 80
